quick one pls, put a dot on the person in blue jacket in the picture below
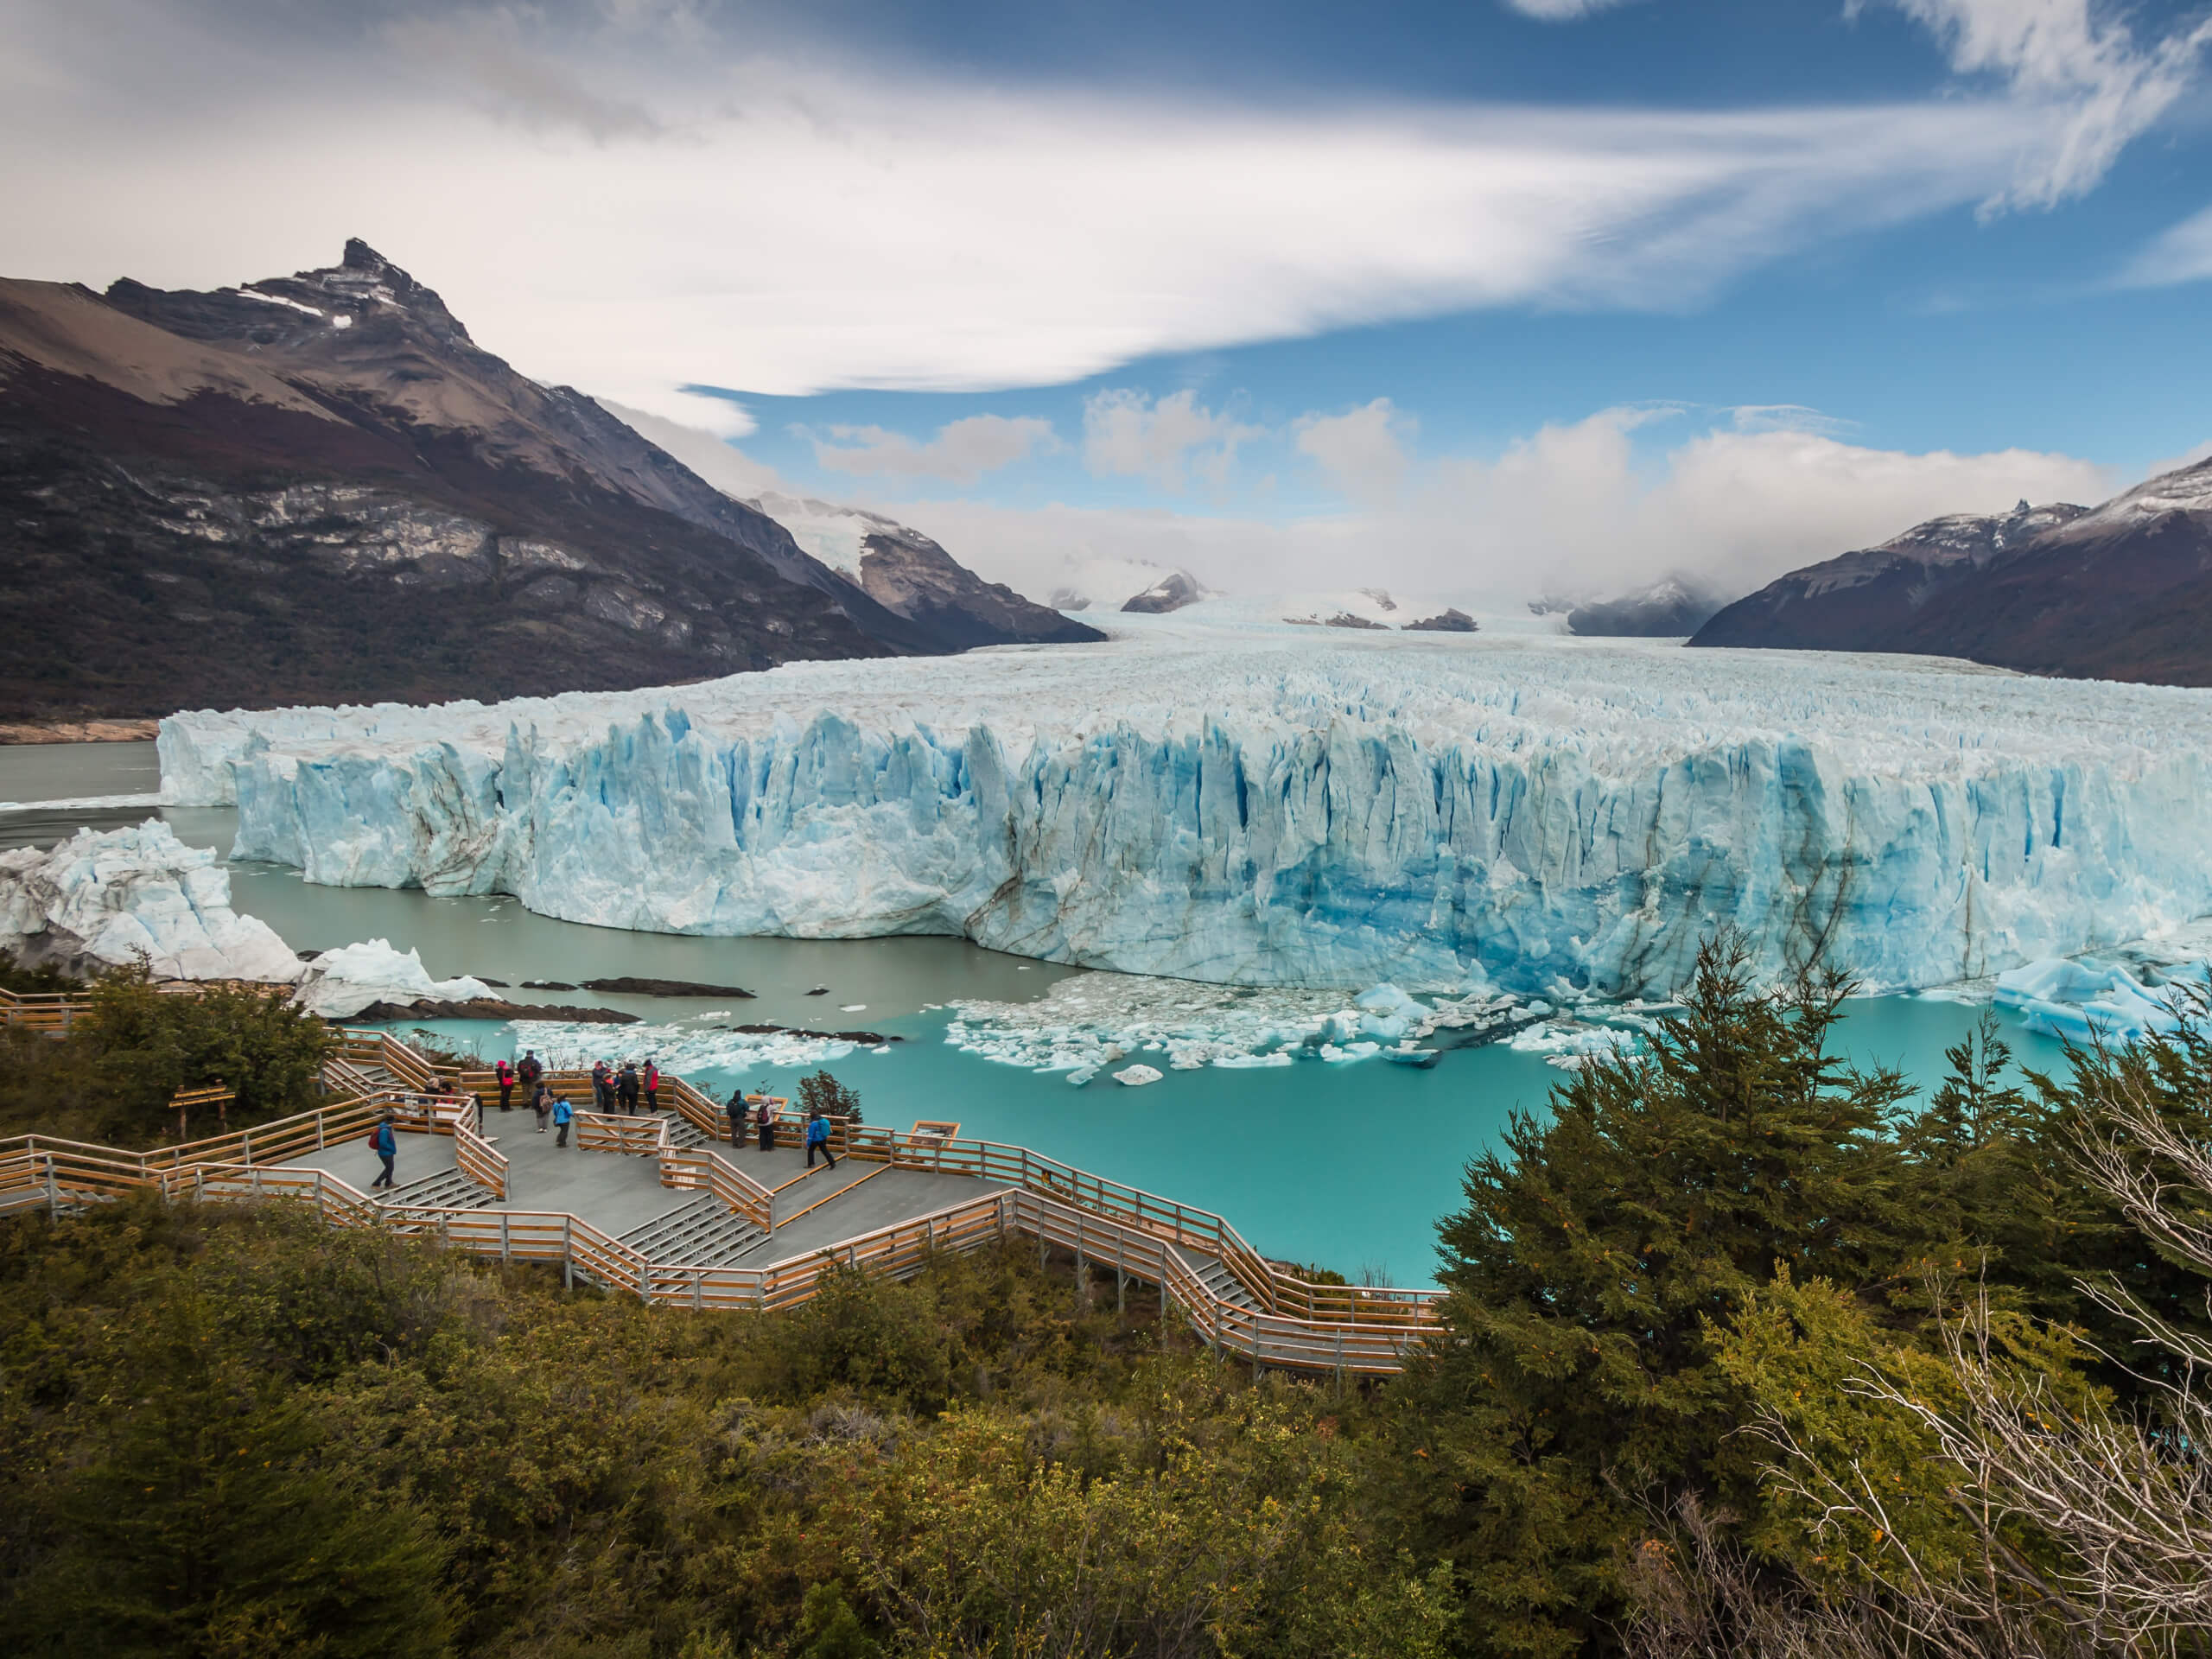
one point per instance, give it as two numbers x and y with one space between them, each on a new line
564 1114
817 1139
384 1142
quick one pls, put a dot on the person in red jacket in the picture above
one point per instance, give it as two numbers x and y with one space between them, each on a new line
504 1074
652 1086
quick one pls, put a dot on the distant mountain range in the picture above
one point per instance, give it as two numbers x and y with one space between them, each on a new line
319 489
2121 591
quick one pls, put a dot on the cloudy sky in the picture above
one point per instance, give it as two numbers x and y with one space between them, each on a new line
1482 296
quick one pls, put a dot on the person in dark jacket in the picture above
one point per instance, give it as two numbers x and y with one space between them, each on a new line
626 1087
503 1075
602 1087
736 1109
817 1138
541 1103
530 1071
564 1114
384 1142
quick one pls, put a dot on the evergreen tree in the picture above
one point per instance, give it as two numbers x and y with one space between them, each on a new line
207 1524
1599 1248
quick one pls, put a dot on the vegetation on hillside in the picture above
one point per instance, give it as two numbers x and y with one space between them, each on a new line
1748 1352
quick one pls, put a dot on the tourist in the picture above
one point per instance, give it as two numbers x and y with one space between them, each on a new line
652 1085
478 1099
541 1103
737 1117
602 1087
385 1144
817 1135
626 1087
503 1075
564 1114
530 1071
767 1124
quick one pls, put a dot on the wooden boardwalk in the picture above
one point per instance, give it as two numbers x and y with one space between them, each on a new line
662 1207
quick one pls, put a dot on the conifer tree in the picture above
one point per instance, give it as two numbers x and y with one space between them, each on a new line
1599 1247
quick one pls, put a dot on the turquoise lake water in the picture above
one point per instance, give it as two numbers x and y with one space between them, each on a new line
1348 1166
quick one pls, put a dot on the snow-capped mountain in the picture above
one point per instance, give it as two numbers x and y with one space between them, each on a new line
1673 607
1134 586
1372 609
2120 591
911 575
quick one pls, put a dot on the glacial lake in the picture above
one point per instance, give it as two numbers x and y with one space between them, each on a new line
1348 1166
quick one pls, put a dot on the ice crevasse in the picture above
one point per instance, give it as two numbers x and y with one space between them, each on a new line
1439 813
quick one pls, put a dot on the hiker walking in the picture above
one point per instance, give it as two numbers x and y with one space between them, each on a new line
503 1075
626 1087
564 1114
736 1109
652 1085
541 1103
385 1144
818 1137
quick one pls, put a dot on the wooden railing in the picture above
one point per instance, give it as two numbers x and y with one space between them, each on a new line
1146 1213
407 1067
614 1132
46 1011
478 1159
703 1169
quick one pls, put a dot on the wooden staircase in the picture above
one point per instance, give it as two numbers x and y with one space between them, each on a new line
703 1232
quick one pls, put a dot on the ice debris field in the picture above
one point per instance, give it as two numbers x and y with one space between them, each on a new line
1265 806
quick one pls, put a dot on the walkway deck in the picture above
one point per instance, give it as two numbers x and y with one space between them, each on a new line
660 1208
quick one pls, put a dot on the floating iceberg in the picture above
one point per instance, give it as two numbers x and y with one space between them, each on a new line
105 898
1282 806
690 1050
2088 1001
340 983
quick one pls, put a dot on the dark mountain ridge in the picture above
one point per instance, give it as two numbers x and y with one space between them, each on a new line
319 489
2122 591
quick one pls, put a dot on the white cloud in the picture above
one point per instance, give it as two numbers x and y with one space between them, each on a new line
2077 63
2183 253
704 451
1363 451
1574 507
961 452
711 218
1127 433
1561 11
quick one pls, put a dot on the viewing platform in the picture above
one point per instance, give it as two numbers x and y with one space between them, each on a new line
661 1205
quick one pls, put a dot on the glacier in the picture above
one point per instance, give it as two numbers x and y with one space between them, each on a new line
1211 796
108 899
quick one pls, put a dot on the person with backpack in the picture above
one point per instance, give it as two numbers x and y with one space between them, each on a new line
384 1142
767 1123
736 1109
541 1103
626 1087
818 1137
503 1075
652 1085
530 1071
564 1114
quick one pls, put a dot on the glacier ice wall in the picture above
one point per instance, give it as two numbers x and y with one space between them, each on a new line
1260 807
